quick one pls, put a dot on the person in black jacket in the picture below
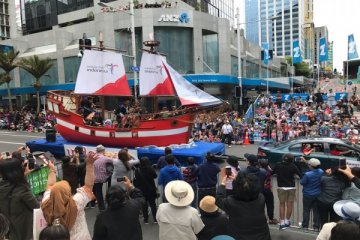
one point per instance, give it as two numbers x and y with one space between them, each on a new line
215 221
16 199
351 176
120 221
245 208
144 180
285 172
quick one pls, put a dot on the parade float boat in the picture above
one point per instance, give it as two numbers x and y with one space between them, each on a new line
102 73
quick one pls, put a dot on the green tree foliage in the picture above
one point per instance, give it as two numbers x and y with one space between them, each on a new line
7 63
37 67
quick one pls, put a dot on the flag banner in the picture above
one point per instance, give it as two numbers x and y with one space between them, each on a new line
352 52
296 58
188 93
265 47
323 50
249 113
102 73
154 80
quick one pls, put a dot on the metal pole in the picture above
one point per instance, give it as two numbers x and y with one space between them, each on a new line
347 74
318 63
132 15
239 57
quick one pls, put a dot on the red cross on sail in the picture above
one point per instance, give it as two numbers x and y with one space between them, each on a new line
102 73
154 79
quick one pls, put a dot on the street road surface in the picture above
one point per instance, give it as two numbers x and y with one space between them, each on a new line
10 141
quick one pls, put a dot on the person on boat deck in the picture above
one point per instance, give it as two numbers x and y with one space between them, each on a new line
97 120
122 109
165 112
87 105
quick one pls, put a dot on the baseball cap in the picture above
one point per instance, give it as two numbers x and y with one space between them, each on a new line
100 148
314 162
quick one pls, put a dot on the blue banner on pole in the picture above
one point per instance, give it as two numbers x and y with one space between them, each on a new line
323 50
352 52
341 96
249 113
265 47
296 57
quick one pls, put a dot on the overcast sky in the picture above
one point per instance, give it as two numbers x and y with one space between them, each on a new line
342 17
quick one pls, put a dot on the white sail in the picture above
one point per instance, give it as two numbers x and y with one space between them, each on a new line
188 93
154 79
102 73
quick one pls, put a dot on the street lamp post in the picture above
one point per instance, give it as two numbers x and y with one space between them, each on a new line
132 18
239 58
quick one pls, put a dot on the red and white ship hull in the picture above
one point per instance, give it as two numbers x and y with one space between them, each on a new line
159 132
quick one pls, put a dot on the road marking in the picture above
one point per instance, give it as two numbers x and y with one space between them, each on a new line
5 134
15 143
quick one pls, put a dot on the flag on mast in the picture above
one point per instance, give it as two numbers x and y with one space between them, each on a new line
323 50
352 52
296 58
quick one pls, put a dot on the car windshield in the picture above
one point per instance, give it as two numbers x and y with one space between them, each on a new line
352 145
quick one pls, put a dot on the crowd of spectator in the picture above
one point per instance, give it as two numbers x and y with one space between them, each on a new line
276 120
26 120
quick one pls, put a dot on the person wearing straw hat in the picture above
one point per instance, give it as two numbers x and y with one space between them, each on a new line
177 220
215 221
347 210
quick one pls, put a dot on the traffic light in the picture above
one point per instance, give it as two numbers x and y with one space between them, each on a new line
81 44
84 43
237 91
87 43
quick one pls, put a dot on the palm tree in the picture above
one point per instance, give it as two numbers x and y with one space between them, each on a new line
8 63
38 68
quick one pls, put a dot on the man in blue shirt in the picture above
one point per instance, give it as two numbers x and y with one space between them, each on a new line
169 173
311 190
207 174
162 162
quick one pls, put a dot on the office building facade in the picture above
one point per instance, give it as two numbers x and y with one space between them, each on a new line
279 22
8 27
309 31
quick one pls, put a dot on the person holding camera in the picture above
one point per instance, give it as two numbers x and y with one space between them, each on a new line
16 199
121 219
59 203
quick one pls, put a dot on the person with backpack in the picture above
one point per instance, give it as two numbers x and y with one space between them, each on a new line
144 180
189 174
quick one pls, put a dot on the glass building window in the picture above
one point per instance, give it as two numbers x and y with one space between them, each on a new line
177 44
211 52
72 65
123 42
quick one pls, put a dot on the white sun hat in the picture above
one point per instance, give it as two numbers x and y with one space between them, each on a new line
179 193
347 209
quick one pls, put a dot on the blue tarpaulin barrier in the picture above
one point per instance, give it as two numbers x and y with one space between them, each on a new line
198 150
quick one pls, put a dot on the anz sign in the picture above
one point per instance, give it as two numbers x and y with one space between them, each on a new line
182 18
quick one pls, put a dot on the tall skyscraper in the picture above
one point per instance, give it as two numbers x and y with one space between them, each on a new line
279 23
7 19
221 8
330 63
309 31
